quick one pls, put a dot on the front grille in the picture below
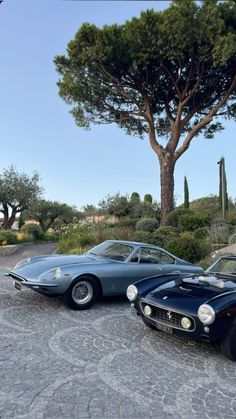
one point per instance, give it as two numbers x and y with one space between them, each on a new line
168 317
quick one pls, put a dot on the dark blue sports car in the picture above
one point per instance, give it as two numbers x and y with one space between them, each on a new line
197 307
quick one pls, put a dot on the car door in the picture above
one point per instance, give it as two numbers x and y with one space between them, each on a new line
144 263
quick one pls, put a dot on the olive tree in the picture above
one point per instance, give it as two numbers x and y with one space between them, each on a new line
168 75
51 214
17 191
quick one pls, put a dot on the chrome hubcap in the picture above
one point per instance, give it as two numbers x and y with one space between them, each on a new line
82 292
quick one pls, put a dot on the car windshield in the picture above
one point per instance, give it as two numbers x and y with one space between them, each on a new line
224 266
113 251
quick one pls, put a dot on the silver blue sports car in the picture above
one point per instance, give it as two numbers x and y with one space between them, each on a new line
106 269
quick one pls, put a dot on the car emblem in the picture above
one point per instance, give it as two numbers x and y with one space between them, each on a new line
169 315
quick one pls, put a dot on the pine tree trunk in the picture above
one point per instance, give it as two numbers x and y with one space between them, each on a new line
167 166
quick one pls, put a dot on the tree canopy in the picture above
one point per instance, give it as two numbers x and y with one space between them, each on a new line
51 214
17 190
167 74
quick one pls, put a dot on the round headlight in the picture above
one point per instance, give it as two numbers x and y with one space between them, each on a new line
185 323
132 292
206 314
57 273
147 310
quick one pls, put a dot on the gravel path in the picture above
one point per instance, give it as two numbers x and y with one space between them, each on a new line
24 251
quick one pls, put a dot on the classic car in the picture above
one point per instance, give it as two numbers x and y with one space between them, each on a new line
106 269
197 307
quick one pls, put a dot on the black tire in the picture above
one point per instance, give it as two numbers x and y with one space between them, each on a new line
147 323
228 345
82 293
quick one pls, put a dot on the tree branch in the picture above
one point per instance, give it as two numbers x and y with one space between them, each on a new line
204 121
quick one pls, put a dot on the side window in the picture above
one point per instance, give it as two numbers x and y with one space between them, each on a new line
148 255
136 257
165 258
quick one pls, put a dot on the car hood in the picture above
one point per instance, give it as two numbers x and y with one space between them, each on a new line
35 266
184 296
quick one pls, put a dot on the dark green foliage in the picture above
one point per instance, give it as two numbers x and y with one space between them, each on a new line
186 193
188 248
147 224
51 214
126 222
21 221
148 198
201 233
223 195
167 231
135 198
150 238
191 222
33 230
7 237
117 205
173 217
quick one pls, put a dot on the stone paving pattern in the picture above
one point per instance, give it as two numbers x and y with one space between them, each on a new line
102 363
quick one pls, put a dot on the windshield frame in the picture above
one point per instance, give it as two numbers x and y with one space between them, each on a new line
112 250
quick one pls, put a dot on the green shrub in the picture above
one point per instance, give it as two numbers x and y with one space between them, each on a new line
188 248
219 231
201 233
191 222
168 231
147 224
127 222
76 236
150 238
53 236
172 218
32 230
7 237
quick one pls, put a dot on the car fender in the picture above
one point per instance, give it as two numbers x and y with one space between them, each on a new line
84 274
224 304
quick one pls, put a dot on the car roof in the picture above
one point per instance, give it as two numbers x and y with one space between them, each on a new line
134 243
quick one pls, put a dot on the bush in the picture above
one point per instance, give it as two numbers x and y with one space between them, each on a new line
232 239
150 238
188 248
219 232
201 233
76 236
147 224
127 222
53 236
34 231
168 231
7 237
191 222
172 218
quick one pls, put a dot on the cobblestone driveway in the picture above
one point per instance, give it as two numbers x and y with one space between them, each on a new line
102 363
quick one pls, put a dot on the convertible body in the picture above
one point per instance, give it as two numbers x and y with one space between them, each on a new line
106 269
195 307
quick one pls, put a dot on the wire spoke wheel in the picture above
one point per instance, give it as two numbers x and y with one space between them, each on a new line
82 292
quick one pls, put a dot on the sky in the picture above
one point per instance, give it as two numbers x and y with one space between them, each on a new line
37 132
